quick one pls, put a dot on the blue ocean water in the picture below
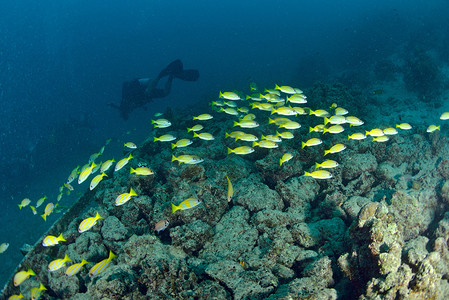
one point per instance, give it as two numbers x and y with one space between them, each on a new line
62 62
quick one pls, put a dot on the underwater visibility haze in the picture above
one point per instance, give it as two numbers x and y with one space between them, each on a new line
224 150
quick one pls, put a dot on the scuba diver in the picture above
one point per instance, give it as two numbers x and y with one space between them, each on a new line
141 91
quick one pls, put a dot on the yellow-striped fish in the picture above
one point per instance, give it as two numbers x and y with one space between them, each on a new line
48 210
357 136
130 145
334 129
24 203
285 89
33 210
229 96
187 159
51 240
381 139
40 201
285 158
96 180
144 171
186 204
102 265
36 292
328 164
181 143
122 163
335 149
432 128
106 165
22 276
75 268
73 174
88 223
320 174
312 142
230 189
16 297
165 138
195 128
404 126
86 173
125 197
241 150
265 144
58 263
204 136
203 117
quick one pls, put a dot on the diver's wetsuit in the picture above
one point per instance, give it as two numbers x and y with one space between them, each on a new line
139 92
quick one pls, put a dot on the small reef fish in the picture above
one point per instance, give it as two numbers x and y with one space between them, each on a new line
22 276
284 111
86 173
357 136
246 124
186 204
161 123
444 116
96 180
328 164
354 121
404 126
187 159
102 265
16 297
432 128
130 145
182 143
297 98
312 142
88 223
125 197
229 96
69 186
381 139
340 111
123 162
33 210
285 158
265 144
24 203
273 138
40 201
285 89
390 131
335 149
75 268
319 113
36 292
158 114
94 156
143 171
230 111
73 174
106 165
375 132
243 150
317 128
290 125
287 135
320 174
273 91
195 128
48 210
230 189
3 247
203 117
204 136
58 263
51 240
337 119
334 129
262 106
164 138
161 226
247 137
234 134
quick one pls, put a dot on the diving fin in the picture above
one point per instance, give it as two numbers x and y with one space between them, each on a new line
173 68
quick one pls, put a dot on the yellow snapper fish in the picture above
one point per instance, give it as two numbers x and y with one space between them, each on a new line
22 276
161 123
354 121
24 203
36 292
187 159
390 131
312 142
340 111
335 149
102 265
246 124
273 138
3 247
125 197
299 110
279 121
266 144
88 223
287 135
230 189
444 116
328 164
230 111
58 263
375 132
271 98
290 125
86 173
165 138
16 296
33 209
106 165
404 126
123 162
273 91
130 145
75 268
317 128
40 201
286 89
203 117
247 137
229 96
48 210
337 119
195 128
94 156
432 128
262 106
319 113
96 180
143 171
186 204
285 158
234 134
59 197
357 136
381 139
297 98
204 136
51 240
284 111
243 150
72 175
320 174
182 143
334 129
243 109
69 186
